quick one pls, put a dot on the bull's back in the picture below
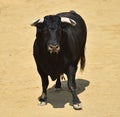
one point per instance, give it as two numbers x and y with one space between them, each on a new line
76 36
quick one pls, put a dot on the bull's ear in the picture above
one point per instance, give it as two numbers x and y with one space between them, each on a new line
36 22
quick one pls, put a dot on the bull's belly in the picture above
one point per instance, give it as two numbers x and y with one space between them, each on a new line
55 74
54 70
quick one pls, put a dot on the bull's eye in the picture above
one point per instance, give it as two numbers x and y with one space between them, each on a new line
59 32
45 31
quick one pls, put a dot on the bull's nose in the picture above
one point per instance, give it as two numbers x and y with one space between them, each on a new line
53 48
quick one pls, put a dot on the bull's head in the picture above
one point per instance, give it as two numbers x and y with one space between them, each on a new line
51 30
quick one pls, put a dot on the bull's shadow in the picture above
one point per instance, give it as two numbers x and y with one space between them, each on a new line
58 99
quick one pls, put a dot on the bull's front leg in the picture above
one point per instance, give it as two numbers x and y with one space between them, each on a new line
72 86
43 98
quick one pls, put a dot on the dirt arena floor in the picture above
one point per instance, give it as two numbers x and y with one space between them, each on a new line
98 85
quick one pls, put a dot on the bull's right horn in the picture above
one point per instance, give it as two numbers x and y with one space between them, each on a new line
68 20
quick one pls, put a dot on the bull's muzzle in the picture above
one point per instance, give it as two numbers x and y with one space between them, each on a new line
53 49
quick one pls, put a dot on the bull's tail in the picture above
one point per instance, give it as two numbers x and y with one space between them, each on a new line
82 61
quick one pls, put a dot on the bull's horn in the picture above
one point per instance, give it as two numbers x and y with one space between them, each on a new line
37 21
68 20
41 20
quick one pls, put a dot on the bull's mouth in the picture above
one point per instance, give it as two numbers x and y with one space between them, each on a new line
54 52
54 49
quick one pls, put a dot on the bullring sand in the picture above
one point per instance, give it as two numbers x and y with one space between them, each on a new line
98 85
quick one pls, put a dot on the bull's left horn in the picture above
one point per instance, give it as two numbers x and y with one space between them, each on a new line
35 22
68 20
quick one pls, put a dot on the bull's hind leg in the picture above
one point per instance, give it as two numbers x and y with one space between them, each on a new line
72 86
58 84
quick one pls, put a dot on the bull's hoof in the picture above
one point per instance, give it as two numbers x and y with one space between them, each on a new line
77 106
42 103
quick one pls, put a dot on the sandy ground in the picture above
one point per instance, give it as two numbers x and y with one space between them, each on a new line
98 85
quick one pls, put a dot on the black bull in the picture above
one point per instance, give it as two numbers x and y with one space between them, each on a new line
59 46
